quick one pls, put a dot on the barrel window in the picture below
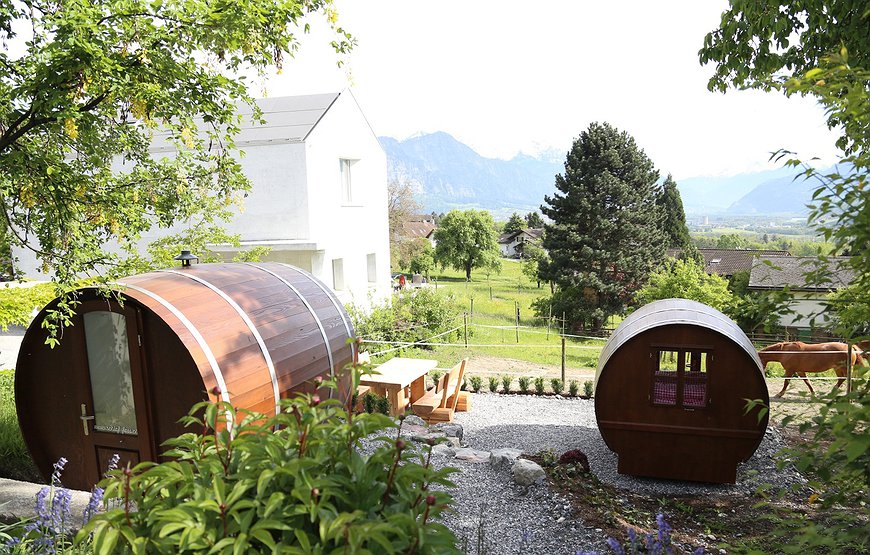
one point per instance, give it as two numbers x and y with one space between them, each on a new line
680 378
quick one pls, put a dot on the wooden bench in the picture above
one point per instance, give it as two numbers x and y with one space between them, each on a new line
438 404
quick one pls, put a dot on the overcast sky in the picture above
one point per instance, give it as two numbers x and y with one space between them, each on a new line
505 76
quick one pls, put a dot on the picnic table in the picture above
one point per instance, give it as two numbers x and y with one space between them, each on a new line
401 380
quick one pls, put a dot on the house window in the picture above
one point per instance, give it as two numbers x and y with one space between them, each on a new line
346 166
372 267
680 378
338 274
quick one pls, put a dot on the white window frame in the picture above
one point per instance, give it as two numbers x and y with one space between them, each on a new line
345 166
372 267
338 282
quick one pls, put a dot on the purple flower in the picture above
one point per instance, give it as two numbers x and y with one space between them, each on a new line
699 551
58 470
615 546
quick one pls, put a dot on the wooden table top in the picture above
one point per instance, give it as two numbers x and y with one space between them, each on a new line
399 371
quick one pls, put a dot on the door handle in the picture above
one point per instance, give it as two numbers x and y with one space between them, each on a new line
84 418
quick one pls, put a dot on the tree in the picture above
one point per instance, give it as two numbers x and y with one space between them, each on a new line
670 204
686 279
605 236
423 262
534 258
466 240
732 241
534 220
401 205
819 48
99 81
515 223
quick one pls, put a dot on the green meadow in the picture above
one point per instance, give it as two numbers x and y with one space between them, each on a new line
491 303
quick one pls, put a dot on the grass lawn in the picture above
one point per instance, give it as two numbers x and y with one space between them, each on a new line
491 303
15 461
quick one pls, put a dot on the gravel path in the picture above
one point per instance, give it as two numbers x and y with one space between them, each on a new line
515 519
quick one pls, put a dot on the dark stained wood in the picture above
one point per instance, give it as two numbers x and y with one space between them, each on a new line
673 442
176 370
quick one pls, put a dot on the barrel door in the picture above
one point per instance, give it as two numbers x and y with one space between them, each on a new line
112 408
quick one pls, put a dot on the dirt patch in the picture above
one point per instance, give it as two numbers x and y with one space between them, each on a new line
485 366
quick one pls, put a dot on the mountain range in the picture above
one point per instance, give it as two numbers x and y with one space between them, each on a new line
448 174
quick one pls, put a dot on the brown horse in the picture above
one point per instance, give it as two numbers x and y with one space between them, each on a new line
802 358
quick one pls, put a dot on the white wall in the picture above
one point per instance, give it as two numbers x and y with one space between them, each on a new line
805 307
349 232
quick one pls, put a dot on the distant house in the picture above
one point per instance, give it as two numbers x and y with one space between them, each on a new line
777 272
412 229
319 193
727 262
511 244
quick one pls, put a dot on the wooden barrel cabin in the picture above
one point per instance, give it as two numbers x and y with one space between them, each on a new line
671 390
123 374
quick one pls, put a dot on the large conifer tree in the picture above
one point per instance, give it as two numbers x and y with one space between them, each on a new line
673 216
606 233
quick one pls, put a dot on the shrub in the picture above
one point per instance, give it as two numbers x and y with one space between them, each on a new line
410 316
493 384
557 385
370 402
506 384
383 405
575 457
539 385
588 386
292 482
524 382
573 388
476 383
435 375
18 303
15 461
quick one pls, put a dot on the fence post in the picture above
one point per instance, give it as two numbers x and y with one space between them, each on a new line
549 319
849 368
517 314
465 326
563 359
563 322
472 309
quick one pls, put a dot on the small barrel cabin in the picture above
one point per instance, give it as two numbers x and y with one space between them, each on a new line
671 390
124 373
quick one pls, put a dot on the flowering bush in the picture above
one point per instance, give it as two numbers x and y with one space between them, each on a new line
296 482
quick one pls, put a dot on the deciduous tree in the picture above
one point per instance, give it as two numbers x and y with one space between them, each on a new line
686 279
466 240
606 235
97 83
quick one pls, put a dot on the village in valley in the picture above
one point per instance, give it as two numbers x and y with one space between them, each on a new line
239 322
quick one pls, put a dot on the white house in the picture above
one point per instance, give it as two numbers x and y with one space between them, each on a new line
809 300
318 197
511 244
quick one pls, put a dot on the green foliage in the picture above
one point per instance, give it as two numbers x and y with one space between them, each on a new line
670 204
534 259
18 303
413 315
295 482
506 382
373 403
534 220
539 385
423 260
524 382
606 234
588 388
97 82
573 388
685 279
761 310
401 205
15 461
850 312
476 383
435 375
493 383
514 223
557 385
820 49
466 240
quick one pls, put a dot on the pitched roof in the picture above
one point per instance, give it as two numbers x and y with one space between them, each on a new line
790 270
727 262
532 233
287 118
413 230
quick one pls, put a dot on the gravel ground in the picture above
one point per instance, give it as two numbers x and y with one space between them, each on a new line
515 519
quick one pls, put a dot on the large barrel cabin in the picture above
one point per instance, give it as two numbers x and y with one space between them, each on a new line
671 390
125 372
